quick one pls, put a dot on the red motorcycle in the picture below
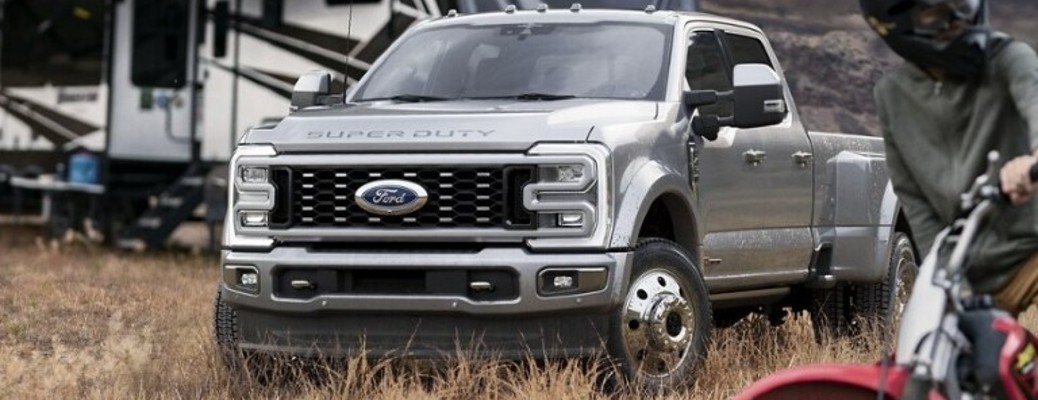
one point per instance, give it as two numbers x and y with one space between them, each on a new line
950 345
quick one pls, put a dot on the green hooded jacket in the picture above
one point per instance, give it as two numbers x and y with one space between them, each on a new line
937 136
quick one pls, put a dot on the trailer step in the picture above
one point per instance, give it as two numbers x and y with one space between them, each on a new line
173 202
149 222
131 244
176 204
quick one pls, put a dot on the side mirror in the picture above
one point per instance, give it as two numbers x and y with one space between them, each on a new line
221 28
707 126
698 98
758 97
310 89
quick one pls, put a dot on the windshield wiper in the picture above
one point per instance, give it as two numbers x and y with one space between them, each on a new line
530 96
410 98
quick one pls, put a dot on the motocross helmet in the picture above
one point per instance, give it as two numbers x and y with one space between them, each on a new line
918 31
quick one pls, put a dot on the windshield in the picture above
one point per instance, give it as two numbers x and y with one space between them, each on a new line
529 61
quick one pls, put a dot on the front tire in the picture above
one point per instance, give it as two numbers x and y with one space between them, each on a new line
225 330
240 366
659 334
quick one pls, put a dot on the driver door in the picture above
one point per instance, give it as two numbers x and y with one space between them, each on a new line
756 202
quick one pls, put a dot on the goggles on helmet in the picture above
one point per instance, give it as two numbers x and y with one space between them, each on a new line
934 17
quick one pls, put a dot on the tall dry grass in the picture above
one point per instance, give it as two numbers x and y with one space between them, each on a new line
80 322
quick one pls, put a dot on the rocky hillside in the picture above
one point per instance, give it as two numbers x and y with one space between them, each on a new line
832 58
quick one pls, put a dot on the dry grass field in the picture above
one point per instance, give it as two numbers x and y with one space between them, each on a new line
78 321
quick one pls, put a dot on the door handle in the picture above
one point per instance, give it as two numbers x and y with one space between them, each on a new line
754 157
803 158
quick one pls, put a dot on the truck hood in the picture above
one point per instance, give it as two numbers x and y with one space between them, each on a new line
463 125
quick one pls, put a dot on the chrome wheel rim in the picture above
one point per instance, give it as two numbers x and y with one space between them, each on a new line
658 325
905 275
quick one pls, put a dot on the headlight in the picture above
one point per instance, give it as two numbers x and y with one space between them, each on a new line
252 195
253 219
570 197
565 193
570 219
254 174
565 173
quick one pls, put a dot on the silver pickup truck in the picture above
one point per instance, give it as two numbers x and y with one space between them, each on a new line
553 183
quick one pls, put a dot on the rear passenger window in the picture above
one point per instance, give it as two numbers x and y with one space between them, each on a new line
747 50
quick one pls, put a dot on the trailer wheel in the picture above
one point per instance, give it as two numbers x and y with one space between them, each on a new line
659 334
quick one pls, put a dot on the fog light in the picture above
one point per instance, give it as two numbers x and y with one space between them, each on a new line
244 278
562 282
253 218
249 279
254 175
559 281
572 219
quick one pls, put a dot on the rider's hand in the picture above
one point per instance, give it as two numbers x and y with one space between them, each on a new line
1016 179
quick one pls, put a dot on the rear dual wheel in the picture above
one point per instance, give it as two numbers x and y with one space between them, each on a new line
848 309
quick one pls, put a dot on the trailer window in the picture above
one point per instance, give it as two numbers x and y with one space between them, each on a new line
160 43
49 42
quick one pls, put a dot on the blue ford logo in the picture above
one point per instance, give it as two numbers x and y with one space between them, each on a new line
391 197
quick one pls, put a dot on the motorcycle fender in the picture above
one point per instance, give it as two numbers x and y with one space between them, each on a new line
1017 360
854 378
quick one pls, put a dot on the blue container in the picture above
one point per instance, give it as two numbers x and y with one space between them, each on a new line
84 168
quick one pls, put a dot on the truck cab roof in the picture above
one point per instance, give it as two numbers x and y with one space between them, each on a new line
586 16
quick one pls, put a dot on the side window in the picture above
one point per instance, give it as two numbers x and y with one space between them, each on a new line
706 69
747 50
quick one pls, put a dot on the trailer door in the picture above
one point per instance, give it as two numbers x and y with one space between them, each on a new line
152 80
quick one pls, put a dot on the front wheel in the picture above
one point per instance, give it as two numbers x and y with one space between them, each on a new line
240 367
659 335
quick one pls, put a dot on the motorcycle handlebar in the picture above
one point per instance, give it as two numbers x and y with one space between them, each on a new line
1032 173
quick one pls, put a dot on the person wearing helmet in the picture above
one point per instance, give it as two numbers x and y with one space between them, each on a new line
963 91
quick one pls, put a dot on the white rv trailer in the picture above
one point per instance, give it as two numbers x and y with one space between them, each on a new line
160 90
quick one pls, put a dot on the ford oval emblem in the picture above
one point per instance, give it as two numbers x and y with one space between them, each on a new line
391 197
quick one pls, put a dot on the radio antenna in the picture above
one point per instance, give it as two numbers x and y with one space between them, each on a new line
349 35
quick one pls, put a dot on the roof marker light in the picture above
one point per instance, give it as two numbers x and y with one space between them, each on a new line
649 9
452 13
575 7
510 9
542 7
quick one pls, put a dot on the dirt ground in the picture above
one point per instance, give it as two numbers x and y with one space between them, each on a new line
79 321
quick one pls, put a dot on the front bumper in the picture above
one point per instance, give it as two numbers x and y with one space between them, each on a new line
422 324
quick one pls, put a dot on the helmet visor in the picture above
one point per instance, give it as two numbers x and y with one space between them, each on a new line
933 17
